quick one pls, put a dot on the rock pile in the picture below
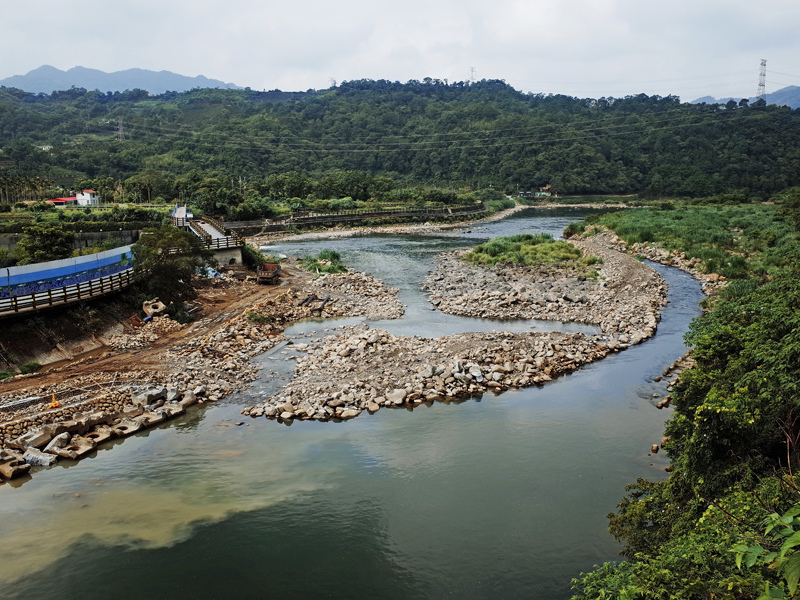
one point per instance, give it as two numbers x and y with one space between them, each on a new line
366 369
359 294
145 335
72 434
624 301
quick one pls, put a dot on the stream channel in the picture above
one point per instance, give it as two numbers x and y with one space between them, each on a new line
496 497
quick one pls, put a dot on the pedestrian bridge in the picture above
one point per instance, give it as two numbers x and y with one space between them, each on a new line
58 282
226 244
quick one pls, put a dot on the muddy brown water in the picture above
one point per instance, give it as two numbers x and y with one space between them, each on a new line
493 497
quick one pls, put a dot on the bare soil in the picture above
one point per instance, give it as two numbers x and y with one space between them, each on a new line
222 300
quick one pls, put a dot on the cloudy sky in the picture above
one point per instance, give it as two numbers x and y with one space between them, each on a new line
585 48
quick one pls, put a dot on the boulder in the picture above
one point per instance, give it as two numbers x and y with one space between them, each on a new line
396 396
35 438
12 465
59 441
188 399
149 396
132 410
350 413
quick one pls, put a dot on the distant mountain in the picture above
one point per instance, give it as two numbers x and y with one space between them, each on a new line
48 79
788 96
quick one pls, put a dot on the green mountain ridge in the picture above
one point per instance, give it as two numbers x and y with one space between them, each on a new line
457 134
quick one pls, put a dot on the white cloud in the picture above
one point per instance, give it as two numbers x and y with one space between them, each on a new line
578 47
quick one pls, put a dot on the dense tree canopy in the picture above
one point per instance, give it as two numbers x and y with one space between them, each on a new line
434 132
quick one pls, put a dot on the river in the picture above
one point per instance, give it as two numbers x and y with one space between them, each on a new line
498 497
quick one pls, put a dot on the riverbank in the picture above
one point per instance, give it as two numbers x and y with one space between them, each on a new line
159 371
342 232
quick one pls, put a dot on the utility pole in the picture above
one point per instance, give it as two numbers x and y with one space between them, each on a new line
762 81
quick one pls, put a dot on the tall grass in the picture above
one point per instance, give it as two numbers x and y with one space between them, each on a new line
737 241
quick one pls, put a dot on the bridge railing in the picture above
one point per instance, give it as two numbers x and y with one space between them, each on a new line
67 294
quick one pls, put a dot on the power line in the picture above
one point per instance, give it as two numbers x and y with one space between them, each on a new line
466 143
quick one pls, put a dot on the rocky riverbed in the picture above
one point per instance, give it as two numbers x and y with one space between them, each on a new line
357 370
365 369
624 299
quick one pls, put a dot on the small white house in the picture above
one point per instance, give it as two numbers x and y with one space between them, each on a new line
87 198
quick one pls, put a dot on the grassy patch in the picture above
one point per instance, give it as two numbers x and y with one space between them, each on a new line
529 249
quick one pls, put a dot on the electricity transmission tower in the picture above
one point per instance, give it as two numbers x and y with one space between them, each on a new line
120 131
762 81
472 74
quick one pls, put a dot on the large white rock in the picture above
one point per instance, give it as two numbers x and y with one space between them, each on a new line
396 396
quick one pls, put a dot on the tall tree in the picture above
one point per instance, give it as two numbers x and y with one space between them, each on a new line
167 258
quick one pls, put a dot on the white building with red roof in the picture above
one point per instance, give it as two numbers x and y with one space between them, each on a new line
87 198
84 198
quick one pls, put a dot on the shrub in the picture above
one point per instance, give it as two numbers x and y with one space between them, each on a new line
574 229
327 261
527 249
29 367
258 318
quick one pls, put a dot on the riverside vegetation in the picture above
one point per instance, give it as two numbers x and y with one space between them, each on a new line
723 524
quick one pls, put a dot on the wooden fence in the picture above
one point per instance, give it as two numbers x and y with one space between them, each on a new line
66 295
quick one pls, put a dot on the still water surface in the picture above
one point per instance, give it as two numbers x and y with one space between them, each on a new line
497 497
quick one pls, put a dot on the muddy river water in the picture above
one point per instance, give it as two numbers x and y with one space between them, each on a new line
494 497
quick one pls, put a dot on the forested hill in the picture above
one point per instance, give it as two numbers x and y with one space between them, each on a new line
463 134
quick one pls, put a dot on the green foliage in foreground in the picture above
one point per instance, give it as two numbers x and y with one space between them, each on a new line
327 261
723 525
528 249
